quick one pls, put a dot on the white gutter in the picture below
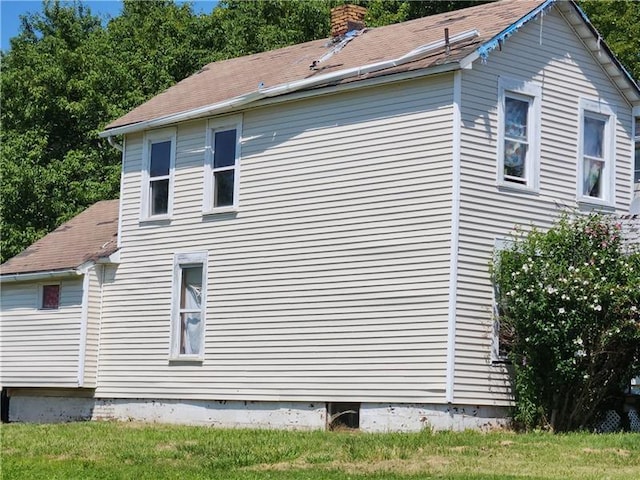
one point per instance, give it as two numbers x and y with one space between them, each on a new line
282 89
19 277
455 238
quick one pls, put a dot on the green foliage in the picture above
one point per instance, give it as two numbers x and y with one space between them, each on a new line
618 21
570 316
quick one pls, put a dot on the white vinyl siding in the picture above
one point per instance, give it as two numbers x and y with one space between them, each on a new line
39 348
557 61
94 308
328 283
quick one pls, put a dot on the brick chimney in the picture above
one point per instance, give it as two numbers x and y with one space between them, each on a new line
345 18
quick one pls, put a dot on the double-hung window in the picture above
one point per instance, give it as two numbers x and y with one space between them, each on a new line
189 299
595 157
157 178
222 164
519 133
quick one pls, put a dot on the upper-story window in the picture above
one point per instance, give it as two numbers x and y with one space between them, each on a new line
595 160
222 164
157 179
519 132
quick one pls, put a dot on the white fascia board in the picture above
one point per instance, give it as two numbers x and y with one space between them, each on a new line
45 275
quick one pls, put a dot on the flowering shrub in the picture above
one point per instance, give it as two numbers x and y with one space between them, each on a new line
569 313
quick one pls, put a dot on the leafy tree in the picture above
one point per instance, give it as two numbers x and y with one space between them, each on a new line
618 21
252 27
570 307
52 162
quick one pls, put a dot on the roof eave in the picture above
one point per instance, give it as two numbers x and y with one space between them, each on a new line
291 87
589 34
44 275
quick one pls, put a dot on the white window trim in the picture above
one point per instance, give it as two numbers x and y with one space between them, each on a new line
41 296
181 260
156 136
213 125
521 90
598 109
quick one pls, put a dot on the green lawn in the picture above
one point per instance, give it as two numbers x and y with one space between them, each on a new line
108 450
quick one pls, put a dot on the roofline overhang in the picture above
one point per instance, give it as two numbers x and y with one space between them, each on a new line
624 81
82 269
44 275
290 87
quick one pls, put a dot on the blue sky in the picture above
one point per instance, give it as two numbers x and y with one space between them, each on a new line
10 11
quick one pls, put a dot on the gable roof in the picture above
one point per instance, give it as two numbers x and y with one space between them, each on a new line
87 237
403 47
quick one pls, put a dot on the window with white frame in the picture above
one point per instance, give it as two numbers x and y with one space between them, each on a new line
519 132
50 296
221 164
595 160
157 188
189 299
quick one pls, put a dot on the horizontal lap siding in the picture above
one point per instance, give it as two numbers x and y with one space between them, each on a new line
331 280
564 70
39 348
93 327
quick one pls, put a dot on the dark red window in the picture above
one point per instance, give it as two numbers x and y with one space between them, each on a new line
50 296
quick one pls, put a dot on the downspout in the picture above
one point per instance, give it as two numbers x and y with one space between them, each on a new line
412 56
455 237
114 144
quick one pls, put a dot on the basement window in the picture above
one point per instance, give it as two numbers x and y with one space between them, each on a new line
343 416
50 297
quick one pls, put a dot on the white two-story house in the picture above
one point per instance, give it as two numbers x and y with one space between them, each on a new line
306 232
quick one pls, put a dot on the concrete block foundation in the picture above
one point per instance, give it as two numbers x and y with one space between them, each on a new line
50 407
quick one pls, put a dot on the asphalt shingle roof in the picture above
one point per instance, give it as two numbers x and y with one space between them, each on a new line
224 80
87 237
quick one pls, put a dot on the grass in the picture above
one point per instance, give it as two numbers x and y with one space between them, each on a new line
109 450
